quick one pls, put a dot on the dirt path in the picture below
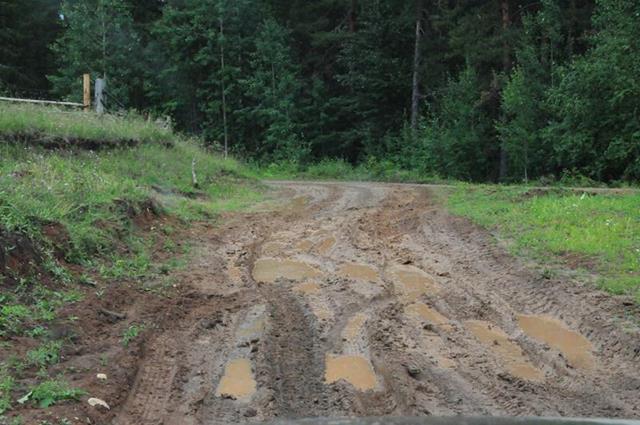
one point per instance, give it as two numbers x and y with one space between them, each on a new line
368 299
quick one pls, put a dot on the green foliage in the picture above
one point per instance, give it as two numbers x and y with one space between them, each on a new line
272 89
27 29
98 38
600 231
457 140
596 128
51 392
131 333
45 355
29 307
6 387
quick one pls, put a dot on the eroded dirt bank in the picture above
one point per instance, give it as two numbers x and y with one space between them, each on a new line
366 299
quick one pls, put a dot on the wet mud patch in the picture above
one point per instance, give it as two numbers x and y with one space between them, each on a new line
427 313
270 269
413 282
355 370
354 327
574 347
307 288
237 382
325 245
509 353
272 248
304 245
359 272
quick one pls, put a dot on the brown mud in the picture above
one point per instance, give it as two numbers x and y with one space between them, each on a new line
364 300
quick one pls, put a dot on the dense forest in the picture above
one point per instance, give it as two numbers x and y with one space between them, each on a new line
480 90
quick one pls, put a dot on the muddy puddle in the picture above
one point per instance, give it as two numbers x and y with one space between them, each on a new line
308 288
576 348
270 269
355 370
412 282
353 327
238 382
254 323
427 313
359 272
304 245
325 245
509 352
272 248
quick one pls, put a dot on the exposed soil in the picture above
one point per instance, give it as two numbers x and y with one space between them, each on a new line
358 300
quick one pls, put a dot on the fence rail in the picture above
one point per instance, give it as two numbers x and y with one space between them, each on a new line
86 96
45 102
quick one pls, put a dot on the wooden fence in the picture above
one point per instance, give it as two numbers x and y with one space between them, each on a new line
99 89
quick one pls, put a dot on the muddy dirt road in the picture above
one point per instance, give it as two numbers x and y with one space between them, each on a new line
365 299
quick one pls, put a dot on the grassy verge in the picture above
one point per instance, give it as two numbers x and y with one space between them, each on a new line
335 169
47 122
69 218
595 233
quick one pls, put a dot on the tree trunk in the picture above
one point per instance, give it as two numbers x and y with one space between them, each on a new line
353 17
415 95
224 96
506 67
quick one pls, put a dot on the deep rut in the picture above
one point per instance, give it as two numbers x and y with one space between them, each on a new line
366 299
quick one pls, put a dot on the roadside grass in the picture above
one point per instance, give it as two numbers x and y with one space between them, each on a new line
596 233
25 120
95 196
71 217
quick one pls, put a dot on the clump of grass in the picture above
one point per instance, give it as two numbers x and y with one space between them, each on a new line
6 386
601 231
131 333
47 121
45 355
29 306
50 392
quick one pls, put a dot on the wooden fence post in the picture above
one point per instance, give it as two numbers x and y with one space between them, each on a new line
99 94
86 92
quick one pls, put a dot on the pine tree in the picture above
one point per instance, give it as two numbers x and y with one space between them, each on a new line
27 28
596 127
99 39
272 89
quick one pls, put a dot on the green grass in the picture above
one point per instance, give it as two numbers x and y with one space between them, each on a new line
93 195
597 233
6 386
51 392
53 122
131 333
46 354
28 309
337 169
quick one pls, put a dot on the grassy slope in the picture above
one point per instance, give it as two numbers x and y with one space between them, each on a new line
94 197
598 234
